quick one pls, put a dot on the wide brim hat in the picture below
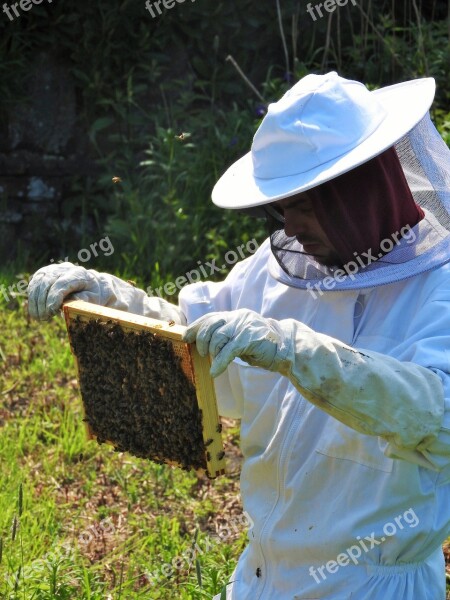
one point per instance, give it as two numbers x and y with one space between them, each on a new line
323 127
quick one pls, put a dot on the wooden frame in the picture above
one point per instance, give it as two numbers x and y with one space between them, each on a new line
195 367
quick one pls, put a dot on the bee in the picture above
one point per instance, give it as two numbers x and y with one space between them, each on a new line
116 180
182 136
131 282
156 414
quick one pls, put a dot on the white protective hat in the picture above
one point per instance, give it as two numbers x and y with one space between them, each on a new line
322 127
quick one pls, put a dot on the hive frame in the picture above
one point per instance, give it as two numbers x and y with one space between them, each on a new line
196 369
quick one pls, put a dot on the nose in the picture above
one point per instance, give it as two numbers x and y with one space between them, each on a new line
294 223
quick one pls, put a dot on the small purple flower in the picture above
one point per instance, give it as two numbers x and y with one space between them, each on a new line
288 76
260 110
233 141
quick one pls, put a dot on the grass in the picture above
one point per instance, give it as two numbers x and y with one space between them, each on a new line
90 523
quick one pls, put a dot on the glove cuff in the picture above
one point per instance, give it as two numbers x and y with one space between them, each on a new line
283 336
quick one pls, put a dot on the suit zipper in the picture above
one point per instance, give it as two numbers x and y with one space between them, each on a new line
281 475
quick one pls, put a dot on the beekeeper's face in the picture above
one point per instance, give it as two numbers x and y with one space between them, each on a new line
301 222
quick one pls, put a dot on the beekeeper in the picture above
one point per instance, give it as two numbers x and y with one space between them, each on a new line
331 343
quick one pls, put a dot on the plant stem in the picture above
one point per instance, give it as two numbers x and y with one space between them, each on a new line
244 77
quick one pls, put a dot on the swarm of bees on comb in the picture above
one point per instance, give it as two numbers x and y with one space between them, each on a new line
138 397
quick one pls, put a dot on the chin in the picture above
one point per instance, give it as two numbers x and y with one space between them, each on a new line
327 261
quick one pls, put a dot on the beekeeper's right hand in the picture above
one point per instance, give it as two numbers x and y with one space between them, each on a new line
51 286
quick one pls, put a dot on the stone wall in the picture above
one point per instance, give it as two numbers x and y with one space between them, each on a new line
41 149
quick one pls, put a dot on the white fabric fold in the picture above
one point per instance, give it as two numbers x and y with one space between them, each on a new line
116 293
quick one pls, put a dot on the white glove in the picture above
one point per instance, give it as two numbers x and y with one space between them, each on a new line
51 286
368 391
243 333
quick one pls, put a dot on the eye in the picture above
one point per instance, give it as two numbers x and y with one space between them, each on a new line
300 207
307 209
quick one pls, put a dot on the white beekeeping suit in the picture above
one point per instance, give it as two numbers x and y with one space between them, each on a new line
346 439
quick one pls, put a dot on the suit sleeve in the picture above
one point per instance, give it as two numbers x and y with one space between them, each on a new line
406 402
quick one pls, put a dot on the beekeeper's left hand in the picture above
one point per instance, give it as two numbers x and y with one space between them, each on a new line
240 333
373 393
